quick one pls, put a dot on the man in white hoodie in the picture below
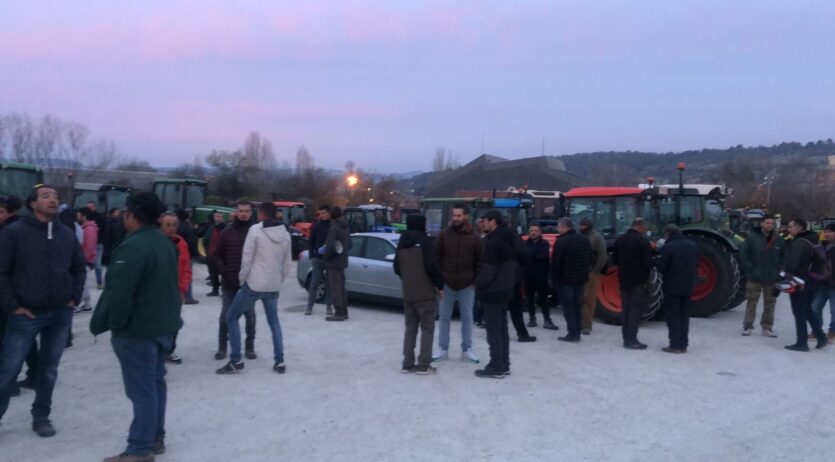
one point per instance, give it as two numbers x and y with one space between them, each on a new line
265 264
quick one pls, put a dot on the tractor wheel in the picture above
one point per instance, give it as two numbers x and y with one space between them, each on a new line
609 306
717 277
740 295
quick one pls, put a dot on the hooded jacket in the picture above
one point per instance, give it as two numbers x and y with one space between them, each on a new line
337 233
415 263
90 240
458 251
41 266
228 254
267 256
762 256
799 254
497 275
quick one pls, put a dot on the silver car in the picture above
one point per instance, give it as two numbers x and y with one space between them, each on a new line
370 272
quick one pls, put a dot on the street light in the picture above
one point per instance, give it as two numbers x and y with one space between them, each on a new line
351 180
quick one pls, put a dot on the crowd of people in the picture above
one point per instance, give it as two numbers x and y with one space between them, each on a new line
487 271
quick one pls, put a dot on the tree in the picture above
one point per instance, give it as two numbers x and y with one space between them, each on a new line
304 161
21 134
76 140
134 164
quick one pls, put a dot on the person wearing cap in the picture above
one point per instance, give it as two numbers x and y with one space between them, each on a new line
42 277
415 264
494 287
827 289
335 253
570 271
633 256
601 257
797 264
761 256
678 263
140 305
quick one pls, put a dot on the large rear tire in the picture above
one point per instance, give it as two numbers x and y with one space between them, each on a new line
609 307
740 295
717 277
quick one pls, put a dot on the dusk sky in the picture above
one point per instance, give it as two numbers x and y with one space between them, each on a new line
385 83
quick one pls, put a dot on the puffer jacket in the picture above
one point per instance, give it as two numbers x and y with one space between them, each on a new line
267 257
228 254
497 275
572 259
458 250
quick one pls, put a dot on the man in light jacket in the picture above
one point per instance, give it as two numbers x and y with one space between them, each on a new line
265 264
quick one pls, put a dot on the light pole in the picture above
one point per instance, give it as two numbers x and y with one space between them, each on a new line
351 180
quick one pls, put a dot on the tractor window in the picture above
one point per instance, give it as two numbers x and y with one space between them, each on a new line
195 195
81 199
356 221
169 193
719 219
624 214
117 199
296 215
691 210
18 182
600 211
382 217
434 218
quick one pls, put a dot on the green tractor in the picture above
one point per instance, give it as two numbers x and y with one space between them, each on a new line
697 209
370 218
188 194
105 196
19 179
516 211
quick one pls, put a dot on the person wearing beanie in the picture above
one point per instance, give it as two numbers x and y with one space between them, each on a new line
41 281
414 263
140 305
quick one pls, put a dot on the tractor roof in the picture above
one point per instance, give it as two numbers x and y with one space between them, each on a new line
100 187
694 189
603 191
289 204
18 166
181 181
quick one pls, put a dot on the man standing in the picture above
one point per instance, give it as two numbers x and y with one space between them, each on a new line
227 257
140 305
318 238
9 205
827 290
633 256
761 255
799 259
186 231
600 257
210 240
678 263
494 285
265 264
415 263
335 254
536 277
41 281
168 224
114 233
570 272
517 303
458 251
98 218
89 246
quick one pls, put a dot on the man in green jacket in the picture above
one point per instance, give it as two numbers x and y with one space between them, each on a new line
140 305
762 258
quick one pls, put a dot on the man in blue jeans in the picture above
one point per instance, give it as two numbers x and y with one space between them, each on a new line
826 293
140 305
41 281
458 250
265 264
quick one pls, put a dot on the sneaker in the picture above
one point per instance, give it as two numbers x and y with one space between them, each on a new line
173 359
747 331
822 342
674 350
532 322
569 339
280 368
425 370
407 369
528 339
213 293
231 368
548 324
769 333
28 382
469 357
250 354
440 356
191 302
336 318
329 311
489 373
636 345
308 311
159 447
221 354
131 458
43 428
797 347
586 331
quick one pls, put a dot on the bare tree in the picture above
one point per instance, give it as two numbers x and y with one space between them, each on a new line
439 161
350 166
101 156
304 161
3 129
76 135
21 133
47 142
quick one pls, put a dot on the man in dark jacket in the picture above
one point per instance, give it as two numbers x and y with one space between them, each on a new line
601 257
140 305
536 277
336 249
570 272
9 205
494 288
458 250
114 233
227 257
633 256
415 263
798 261
678 263
41 281
186 231
318 238
761 255
517 302
211 238
827 289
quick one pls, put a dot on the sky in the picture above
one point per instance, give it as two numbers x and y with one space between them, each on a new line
386 83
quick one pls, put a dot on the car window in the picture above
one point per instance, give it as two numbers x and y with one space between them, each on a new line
377 249
356 246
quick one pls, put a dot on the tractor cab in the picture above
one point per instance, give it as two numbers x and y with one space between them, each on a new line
105 196
188 194
438 210
295 214
19 179
371 218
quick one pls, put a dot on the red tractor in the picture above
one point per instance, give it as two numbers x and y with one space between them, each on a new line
699 211
296 215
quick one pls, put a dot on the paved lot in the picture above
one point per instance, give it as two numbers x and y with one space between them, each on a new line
343 397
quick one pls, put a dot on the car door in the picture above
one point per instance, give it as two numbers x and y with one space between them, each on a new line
377 268
353 274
